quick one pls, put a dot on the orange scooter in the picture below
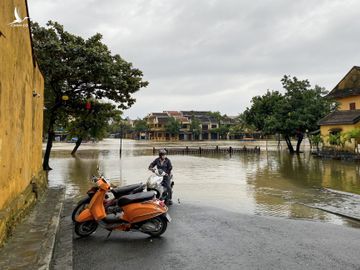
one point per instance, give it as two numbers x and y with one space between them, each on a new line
140 211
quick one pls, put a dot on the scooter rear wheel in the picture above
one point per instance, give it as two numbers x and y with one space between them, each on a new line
86 228
160 223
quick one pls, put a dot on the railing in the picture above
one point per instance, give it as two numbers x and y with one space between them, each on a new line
208 150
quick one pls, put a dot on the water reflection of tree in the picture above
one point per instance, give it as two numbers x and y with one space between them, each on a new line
81 168
285 180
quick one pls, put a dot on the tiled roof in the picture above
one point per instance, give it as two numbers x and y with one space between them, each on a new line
159 114
195 113
163 120
341 117
173 113
336 93
348 86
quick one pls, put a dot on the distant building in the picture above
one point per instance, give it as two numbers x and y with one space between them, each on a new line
347 94
207 125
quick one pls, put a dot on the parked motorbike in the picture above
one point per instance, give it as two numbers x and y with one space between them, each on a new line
110 196
140 211
154 183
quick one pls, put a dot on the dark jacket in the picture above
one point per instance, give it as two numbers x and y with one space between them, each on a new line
165 166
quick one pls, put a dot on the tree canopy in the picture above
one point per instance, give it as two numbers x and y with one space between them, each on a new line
173 126
91 124
292 113
75 69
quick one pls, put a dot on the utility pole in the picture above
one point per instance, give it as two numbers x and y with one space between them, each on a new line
121 137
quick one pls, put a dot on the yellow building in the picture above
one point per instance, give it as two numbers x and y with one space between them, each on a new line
21 116
347 117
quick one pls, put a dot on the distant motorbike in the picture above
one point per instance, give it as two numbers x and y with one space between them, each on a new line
155 183
110 196
140 211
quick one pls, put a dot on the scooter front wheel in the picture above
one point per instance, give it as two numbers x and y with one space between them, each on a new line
81 205
86 228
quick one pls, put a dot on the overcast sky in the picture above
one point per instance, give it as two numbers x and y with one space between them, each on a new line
216 54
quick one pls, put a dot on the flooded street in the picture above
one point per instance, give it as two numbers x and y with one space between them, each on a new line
272 183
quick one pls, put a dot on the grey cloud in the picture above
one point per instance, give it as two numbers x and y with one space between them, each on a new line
202 54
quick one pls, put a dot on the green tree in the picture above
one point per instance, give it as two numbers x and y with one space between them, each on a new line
76 69
337 139
140 126
92 124
195 127
292 113
218 117
261 109
241 125
315 140
354 134
173 126
222 129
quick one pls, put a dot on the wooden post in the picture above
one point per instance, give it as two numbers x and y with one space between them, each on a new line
187 150
266 143
200 150
154 150
217 149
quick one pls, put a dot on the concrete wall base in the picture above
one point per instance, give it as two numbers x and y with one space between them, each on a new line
16 209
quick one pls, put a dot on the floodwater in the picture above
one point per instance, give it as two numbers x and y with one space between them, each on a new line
272 183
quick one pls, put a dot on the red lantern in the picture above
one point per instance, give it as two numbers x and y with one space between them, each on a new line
88 105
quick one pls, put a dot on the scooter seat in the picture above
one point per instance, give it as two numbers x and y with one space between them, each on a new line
138 197
121 191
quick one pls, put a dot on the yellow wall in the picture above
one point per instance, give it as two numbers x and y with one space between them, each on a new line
21 114
344 102
325 130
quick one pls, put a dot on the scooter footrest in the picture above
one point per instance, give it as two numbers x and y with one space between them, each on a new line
113 218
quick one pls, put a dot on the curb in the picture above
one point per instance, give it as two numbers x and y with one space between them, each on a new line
47 250
32 244
62 258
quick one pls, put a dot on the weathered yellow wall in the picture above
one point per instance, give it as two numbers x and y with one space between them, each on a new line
344 102
21 114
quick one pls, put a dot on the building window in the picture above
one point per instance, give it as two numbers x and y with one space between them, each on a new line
352 106
213 126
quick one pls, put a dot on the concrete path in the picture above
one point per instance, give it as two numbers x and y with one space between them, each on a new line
210 238
32 242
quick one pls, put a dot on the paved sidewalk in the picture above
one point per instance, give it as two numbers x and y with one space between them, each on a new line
32 242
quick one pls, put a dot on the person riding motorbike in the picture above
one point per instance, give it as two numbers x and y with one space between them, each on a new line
163 163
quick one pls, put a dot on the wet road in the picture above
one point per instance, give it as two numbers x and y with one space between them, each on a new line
229 213
209 238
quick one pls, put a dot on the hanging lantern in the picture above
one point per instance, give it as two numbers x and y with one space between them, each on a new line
88 105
